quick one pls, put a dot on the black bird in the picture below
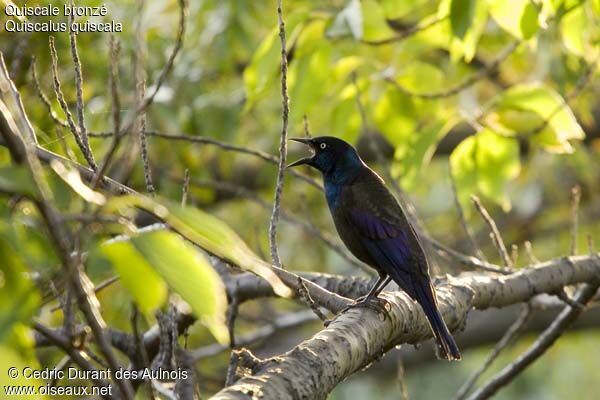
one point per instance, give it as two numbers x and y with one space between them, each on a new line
375 229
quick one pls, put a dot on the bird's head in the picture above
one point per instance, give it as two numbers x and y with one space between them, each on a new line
332 156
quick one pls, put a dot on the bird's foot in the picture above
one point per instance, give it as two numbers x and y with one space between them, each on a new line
376 304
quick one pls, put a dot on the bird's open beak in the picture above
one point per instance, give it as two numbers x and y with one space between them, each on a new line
305 160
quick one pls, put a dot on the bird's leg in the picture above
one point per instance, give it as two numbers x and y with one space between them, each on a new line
375 290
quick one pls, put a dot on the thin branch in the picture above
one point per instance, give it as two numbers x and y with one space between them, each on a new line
164 73
543 343
511 333
65 107
79 88
75 354
279 323
140 94
494 232
285 101
575 199
224 146
463 221
186 187
43 97
115 49
311 303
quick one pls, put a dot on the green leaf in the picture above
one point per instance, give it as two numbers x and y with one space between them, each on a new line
190 275
518 17
206 231
394 115
262 70
484 163
573 27
538 103
396 9
375 26
461 16
420 77
309 75
17 180
414 154
136 274
19 297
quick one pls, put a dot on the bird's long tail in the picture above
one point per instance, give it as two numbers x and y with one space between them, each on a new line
425 296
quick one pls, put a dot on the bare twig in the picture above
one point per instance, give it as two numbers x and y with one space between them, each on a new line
65 107
311 303
400 378
543 343
282 141
43 97
306 126
224 146
115 49
164 73
79 87
506 339
529 250
140 94
75 354
279 323
463 221
232 312
575 199
186 187
494 232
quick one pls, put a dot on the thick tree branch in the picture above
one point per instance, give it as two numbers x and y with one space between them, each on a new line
359 336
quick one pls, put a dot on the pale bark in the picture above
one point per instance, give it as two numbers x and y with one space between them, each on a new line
361 335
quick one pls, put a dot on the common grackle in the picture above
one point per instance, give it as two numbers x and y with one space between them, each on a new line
375 229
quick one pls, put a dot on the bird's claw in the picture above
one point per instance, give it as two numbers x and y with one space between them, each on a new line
376 304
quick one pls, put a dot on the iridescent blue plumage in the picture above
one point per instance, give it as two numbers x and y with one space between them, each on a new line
375 229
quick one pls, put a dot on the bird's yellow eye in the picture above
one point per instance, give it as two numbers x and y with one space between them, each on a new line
322 146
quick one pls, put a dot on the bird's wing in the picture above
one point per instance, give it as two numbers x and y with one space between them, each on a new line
387 234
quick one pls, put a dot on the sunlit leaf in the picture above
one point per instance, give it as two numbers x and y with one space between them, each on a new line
395 115
375 26
413 155
550 112
484 163
262 70
574 26
206 231
518 17
136 274
461 16
190 275
73 179
309 75
420 77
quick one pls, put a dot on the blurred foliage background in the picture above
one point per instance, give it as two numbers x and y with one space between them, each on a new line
494 97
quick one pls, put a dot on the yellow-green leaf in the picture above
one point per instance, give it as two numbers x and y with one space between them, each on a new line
484 163
548 108
189 274
518 17
206 231
137 275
